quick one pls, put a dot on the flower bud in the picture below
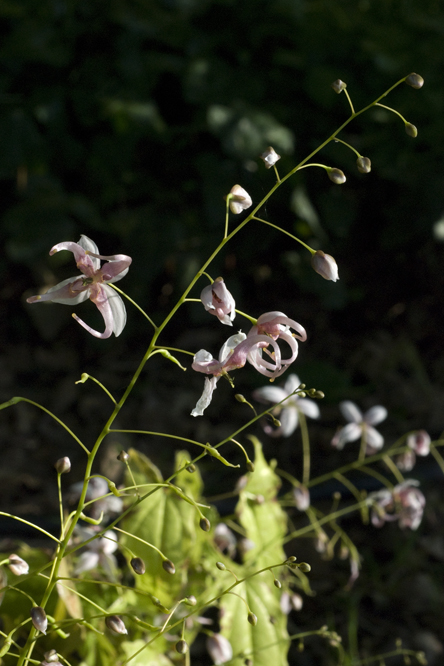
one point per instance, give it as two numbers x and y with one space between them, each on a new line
277 583
123 456
191 600
414 80
204 524
191 468
250 466
252 619
270 157
181 646
219 649
39 619
364 164
406 461
18 566
115 624
336 176
138 566
51 656
221 566
338 86
325 265
304 567
63 465
301 498
411 130
169 566
240 199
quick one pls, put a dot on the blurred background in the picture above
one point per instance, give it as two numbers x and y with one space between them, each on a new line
128 121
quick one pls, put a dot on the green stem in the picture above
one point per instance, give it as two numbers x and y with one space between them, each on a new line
287 233
305 448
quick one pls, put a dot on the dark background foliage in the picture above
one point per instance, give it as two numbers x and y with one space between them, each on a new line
128 121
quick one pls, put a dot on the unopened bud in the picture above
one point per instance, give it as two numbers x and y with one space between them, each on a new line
169 566
338 86
239 200
325 265
250 466
319 395
191 600
270 157
5 647
138 566
252 619
191 468
301 387
123 456
290 559
63 465
414 80
336 176
240 398
301 497
204 524
51 656
221 566
277 583
39 619
304 567
18 566
181 646
411 130
364 164
115 624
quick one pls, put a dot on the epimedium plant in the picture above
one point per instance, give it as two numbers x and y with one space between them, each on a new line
136 570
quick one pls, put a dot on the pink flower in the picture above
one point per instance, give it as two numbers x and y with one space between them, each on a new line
419 442
360 426
325 265
93 284
276 325
218 301
404 503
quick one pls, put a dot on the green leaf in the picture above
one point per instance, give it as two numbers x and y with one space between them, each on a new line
266 643
147 657
260 513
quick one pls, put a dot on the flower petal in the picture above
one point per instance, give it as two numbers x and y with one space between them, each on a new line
66 292
289 421
373 437
375 415
308 407
350 411
206 397
349 433
118 309
271 394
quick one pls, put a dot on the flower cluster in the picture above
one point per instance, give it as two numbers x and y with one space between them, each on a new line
259 347
405 503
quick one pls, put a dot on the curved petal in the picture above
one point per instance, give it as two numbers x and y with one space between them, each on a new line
290 340
289 419
84 262
66 292
115 270
373 437
100 299
349 433
206 397
271 394
91 248
292 383
350 411
118 309
308 407
230 345
375 415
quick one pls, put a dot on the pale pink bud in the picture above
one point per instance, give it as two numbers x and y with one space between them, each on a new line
18 566
338 86
52 657
325 265
270 157
219 649
414 80
406 461
240 199
301 498
63 465
217 300
419 442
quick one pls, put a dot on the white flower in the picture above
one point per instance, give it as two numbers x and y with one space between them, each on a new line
291 408
270 157
99 551
239 200
360 426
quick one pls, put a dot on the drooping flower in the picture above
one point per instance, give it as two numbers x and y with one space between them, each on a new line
360 426
218 301
276 325
17 565
239 200
270 157
288 412
404 503
233 355
301 496
100 551
93 284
